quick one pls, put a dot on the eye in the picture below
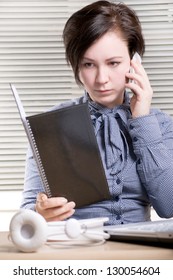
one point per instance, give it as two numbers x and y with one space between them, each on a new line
88 65
114 63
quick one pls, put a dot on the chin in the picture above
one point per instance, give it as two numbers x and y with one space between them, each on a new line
109 103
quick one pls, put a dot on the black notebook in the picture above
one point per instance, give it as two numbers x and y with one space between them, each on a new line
66 151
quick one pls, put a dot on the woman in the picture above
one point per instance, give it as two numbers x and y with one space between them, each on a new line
135 141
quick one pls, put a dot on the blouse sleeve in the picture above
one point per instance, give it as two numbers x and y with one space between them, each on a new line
32 183
152 138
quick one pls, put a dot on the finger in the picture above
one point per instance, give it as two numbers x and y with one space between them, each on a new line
41 197
133 76
136 87
58 211
138 68
52 202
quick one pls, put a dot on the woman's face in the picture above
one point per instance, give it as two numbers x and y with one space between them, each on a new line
103 68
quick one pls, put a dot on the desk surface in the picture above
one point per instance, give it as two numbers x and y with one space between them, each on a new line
110 250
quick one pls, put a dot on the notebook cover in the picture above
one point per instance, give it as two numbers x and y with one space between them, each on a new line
69 154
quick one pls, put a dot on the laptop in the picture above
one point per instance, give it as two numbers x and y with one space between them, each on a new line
158 232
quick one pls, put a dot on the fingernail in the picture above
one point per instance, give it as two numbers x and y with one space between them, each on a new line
41 197
73 204
63 199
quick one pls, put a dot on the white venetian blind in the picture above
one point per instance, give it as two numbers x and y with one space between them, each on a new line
32 58
156 17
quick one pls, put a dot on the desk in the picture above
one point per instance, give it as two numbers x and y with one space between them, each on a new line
110 250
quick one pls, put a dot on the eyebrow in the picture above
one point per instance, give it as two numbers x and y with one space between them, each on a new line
111 58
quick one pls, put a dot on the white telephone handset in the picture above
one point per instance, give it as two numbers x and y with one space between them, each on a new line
136 58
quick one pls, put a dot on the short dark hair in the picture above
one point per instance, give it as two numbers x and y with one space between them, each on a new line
91 22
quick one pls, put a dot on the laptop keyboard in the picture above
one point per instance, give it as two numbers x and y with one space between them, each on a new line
155 226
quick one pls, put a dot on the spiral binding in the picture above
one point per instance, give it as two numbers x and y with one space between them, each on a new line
38 159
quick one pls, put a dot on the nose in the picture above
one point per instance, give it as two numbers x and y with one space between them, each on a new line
102 75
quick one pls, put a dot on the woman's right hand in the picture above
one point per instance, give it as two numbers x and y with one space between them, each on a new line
54 208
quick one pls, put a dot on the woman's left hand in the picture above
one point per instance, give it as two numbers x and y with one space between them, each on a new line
142 92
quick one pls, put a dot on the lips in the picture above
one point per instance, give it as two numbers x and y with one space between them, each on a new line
104 91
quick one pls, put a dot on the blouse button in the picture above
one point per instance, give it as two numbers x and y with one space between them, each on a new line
118 217
135 139
118 181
